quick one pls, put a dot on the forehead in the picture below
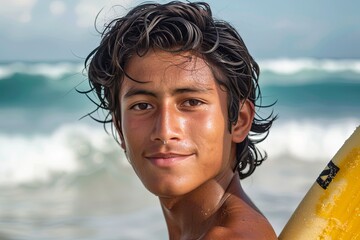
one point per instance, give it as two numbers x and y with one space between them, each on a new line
164 68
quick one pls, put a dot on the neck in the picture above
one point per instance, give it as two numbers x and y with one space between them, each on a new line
192 215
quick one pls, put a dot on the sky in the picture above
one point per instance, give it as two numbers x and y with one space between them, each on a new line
55 30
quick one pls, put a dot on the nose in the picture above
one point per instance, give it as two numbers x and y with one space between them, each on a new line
168 124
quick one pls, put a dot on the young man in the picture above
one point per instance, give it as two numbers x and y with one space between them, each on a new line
180 88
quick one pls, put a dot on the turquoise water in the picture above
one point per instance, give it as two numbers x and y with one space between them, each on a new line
65 178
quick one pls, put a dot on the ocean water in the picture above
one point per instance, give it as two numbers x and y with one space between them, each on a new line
65 178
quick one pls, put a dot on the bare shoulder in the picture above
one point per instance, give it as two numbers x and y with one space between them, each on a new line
231 234
241 221
252 230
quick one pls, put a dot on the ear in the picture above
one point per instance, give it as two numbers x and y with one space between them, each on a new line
245 119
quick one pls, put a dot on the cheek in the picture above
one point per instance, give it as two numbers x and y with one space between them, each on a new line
132 135
133 138
210 131
217 139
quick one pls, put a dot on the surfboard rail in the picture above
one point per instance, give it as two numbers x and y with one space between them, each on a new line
331 208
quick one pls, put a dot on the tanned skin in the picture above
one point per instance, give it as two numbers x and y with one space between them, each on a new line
174 130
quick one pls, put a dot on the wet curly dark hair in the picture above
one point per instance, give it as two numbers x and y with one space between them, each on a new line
180 27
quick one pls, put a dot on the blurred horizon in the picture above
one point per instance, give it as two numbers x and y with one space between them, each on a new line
63 30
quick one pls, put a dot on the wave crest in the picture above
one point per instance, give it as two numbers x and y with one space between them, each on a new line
82 149
292 66
71 149
48 70
308 140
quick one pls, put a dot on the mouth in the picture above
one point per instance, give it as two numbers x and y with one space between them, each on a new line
167 159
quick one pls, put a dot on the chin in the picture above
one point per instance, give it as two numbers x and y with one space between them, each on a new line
169 189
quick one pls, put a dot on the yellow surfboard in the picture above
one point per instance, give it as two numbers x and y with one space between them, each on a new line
331 208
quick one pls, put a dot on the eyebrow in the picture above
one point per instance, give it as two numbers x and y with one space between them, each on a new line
134 91
197 89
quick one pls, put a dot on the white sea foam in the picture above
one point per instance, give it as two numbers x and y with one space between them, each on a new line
26 159
292 66
48 70
308 140
72 148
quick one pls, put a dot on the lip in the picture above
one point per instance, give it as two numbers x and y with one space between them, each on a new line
167 159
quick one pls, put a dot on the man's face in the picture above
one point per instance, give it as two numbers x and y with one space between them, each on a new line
178 102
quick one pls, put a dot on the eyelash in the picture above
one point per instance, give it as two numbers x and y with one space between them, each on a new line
187 103
136 107
198 102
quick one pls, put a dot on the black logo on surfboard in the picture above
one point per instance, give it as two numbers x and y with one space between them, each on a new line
327 175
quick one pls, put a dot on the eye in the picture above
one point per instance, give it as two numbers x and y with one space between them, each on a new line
192 103
141 106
